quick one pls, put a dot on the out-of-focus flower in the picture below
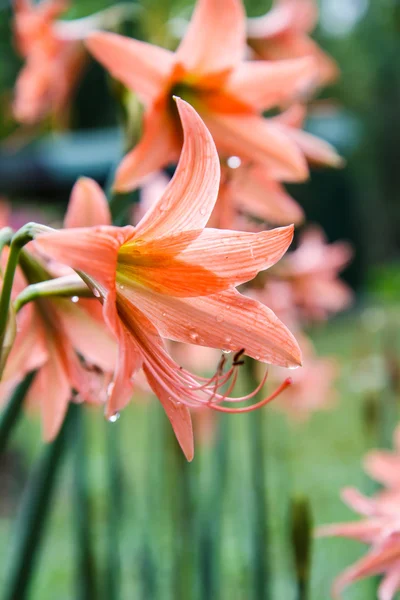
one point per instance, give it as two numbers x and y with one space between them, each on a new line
229 93
169 277
54 332
381 530
53 63
283 33
312 271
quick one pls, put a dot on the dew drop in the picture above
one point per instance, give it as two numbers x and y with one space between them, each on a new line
234 162
121 287
164 314
114 417
194 336
293 367
226 351
75 299
178 403
110 388
219 318
203 210
96 293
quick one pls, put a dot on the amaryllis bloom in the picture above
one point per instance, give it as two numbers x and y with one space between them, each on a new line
312 271
64 338
53 62
381 530
283 33
168 277
229 93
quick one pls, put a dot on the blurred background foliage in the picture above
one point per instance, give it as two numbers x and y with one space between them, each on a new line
148 525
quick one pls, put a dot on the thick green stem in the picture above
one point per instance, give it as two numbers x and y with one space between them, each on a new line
68 286
34 514
26 234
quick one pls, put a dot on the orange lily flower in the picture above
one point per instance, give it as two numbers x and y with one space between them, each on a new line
168 277
53 61
229 93
283 33
53 331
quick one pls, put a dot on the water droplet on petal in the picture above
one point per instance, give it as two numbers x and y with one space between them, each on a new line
219 318
226 351
293 367
233 162
178 403
194 336
121 287
164 314
114 417
203 210
257 357
96 293
110 388
75 299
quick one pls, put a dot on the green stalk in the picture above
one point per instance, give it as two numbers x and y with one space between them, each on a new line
86 587
34 514
112 584
67 286
301 537
12 410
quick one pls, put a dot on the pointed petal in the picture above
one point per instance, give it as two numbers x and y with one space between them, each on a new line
384 467
158 147
227 320
141 67
260 141
87 206
216 37
265 84
390 584
91 250
236 257
317 151
189 199
179 416
257 194
365 531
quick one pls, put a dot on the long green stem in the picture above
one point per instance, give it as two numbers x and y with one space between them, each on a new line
12 411
20 239
34 514
68 286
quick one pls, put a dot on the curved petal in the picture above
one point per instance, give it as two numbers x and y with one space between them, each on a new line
384 467
390 584
87 206
257 194
317 151
227 320
189 199
158 147
366 530
179 416
260 141
236 257
141 67
216 37
265 84
91 250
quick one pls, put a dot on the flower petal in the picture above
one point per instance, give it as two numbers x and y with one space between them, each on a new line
91 250
141 67
258 140
257 194
317 151
158 147
87 206
236 257
216 37
189 199
178 415
265 84
227 320
391 583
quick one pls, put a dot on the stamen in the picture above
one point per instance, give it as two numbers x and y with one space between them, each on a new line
256 406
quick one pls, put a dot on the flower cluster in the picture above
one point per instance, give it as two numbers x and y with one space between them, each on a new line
97 302
380 527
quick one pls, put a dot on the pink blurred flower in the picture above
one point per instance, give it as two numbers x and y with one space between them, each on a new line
312 271
53 64
283 33
53 331
169 277
384 466
230 94
381 530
